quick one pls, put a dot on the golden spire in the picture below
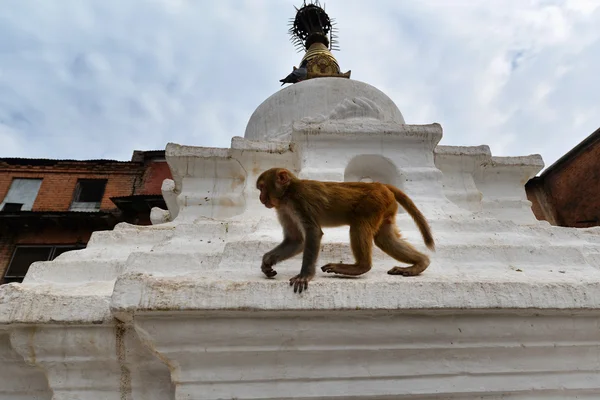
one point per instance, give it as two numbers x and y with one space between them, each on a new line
310 30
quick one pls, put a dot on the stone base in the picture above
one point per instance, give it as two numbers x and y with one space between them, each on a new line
378 355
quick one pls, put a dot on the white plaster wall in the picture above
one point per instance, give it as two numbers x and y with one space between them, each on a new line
20 381
374 355
92 362
327 149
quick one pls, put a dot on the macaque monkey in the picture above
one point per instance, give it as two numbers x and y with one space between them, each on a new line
304 206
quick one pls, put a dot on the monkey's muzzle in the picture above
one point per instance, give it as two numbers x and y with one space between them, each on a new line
266 202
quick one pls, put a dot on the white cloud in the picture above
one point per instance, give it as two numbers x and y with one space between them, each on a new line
87 79
9 140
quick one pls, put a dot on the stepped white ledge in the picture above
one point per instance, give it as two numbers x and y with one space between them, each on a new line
458 164
486 289
75 288
502 182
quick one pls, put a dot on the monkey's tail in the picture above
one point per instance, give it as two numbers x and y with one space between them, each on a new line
416 215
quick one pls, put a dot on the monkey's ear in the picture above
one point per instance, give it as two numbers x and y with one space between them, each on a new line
283 177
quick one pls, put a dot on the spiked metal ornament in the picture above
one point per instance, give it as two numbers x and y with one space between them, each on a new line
312 24
314 32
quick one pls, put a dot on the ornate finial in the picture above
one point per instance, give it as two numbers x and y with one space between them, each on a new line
312 30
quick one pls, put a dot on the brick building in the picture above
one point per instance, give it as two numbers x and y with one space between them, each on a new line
568 192
48 207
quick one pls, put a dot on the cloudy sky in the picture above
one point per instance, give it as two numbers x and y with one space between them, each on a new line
100 78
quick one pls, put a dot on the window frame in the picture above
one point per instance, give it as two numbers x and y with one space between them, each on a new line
80 205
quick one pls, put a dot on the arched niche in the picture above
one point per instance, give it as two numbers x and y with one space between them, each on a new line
373 168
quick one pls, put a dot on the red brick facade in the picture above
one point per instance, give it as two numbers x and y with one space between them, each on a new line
59 181
568 192
50 221
154 176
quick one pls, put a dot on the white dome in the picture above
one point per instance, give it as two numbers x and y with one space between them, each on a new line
318 97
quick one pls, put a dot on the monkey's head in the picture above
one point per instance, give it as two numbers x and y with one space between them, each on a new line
273 183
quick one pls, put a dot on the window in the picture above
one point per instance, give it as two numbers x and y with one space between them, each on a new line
24 256
21 195
88 195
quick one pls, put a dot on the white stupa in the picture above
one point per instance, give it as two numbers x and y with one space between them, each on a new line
180 310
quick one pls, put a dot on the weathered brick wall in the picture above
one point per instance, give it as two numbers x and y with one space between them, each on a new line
60 180
569 193
575 189
5 181
156 172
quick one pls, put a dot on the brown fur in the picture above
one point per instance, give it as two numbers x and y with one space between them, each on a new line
305 206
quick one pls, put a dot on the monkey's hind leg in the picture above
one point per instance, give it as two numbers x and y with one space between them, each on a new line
361 241
388 239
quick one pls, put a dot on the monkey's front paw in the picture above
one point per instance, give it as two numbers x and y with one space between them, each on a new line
300 282
268 270
267 265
